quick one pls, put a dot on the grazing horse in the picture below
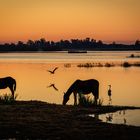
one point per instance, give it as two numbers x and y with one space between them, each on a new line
82 87
8 82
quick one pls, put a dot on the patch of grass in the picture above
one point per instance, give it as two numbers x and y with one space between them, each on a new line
8 98
86 101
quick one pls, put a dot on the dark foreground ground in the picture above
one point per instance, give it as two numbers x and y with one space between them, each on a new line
39 120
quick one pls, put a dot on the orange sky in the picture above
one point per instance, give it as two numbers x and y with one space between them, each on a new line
108 20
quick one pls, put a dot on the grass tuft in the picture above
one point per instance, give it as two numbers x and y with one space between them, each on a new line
8 98
86 101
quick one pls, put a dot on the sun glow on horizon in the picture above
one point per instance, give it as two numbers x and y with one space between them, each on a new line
107 20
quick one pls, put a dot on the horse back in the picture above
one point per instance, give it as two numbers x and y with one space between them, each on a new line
86 85
7 81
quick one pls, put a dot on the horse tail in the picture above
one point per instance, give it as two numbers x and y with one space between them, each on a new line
98 91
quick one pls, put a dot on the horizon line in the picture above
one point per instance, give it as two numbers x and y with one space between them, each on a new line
128 42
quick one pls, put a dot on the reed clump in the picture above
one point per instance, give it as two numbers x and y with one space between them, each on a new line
87 65
107 64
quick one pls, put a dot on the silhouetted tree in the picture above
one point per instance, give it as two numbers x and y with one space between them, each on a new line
42 42
30 43
137 43
20 43
79 44
100 43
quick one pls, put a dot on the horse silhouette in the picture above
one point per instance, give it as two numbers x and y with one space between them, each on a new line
8 82
82 87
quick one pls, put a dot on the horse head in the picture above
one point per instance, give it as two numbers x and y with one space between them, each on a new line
65 99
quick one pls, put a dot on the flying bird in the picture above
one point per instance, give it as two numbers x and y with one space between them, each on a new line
53 85
53 71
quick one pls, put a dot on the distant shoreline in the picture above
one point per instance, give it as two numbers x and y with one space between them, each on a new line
71 51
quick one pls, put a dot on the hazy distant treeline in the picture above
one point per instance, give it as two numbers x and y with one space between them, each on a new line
66 45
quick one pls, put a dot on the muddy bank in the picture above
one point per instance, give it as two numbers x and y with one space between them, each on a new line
39 120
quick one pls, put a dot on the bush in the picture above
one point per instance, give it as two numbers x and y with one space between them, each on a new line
126 64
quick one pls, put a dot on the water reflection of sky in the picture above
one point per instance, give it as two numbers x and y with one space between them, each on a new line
126 117
63 56
34 82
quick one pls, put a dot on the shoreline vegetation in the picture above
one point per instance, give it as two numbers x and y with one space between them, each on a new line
109 64
41 120
72 45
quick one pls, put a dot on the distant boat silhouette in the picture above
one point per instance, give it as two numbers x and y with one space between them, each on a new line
53 71
76 51
53 85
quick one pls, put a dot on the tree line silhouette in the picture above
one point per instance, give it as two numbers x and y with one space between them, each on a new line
66 45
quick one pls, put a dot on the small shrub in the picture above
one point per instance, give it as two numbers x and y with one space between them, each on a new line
132 55
126 64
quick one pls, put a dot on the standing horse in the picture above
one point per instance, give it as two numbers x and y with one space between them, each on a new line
82 87
8 82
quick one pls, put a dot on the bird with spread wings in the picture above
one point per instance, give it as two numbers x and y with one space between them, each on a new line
53 85
52 71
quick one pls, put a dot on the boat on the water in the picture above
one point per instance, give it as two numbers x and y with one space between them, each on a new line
77 51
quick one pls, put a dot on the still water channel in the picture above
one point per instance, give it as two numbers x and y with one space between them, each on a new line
125 117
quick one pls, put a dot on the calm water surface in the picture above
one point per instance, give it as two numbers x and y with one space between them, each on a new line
126 117
33 79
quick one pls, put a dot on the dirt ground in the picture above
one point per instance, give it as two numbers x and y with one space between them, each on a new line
39 120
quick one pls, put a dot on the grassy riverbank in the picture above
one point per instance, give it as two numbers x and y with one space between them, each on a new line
39 120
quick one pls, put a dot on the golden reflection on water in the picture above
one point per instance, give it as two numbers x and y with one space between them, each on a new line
33 81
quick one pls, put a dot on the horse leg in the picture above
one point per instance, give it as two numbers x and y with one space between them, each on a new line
12 90
75 98
95 98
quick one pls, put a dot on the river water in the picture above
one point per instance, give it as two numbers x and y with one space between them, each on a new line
34 81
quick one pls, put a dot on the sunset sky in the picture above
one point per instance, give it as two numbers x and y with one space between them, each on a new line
107 20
